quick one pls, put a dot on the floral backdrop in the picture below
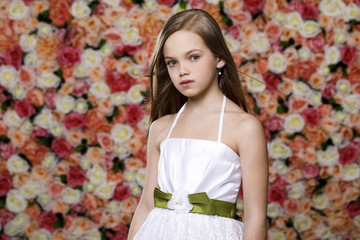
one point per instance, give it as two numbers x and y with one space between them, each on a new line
73 122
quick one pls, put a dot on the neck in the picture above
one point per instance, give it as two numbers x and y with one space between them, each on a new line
209 102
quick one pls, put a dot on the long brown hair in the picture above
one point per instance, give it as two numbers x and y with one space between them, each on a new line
165 98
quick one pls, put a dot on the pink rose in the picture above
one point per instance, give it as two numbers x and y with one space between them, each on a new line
24 108
79 208
50 96
168 3
119 82
134 113
348 55
254 6
272 31
329 91
13 56
121 193
348 155
81 87
69 56
2 59
121 232
317 43
311 117
6 217
291 206
46 220
27 1
39 132
3 236
272 81
5 185
27 77
309 10
105 141
276 194
310 171
76 177
61 147
3 95
75 120
353 209
198 3
274 124
267 134
234 31
6 150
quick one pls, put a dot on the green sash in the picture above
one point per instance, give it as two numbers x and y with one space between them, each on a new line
201 204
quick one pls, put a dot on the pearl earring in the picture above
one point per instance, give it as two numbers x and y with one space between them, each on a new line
219 72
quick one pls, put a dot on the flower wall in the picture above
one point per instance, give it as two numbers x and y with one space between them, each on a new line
73 126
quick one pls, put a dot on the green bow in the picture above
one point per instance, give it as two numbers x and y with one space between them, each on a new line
201 204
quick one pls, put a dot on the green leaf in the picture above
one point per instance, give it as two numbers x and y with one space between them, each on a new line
44 16
183 4
2 202
282 109
115 168
93 5
5 105
79 188
4 139
63 178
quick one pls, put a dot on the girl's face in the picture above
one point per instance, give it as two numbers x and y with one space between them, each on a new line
192 66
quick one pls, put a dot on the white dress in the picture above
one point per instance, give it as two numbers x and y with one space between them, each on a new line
193 166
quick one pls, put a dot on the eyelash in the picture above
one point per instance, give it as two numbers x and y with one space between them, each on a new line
171 63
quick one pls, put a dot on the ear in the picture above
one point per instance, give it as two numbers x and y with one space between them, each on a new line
220 63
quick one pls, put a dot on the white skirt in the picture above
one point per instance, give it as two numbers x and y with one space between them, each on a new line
165 224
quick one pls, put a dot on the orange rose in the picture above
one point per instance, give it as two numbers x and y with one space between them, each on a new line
291 206
8 36
105 141
34 152
30 229
59 12
111 220
20 179
59 235
61 168
97 74
329 125
96 121
47 48
90 202
121 118
27 77
55 189
346 132
118 177
17 138
95 154
73 159
297 104
40 173
36 97
60 207
97 215
317 81
3 128
33 211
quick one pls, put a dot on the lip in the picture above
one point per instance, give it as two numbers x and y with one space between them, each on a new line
186 83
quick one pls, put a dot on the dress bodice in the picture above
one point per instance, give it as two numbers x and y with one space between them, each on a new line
197 165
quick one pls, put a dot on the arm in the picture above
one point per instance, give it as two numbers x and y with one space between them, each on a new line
146 203
255 172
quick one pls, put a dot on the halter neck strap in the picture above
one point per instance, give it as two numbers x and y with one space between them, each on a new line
176 118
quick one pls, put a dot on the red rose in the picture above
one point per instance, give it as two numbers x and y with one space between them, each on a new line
311 116
348 155
61 147
348 55
3 97
69 56
317 43
5 185
131 49
198 3
276 194
254 6
353 209
119 82
309 10
27 1
76 177
13 56
168 3
24 108
6 217
272 81
2 59
46 220
121 193
134 113
121 232
310 171
50 96
59 12
274 124
328 91
38 132
80 88
6 150
75 120
34 152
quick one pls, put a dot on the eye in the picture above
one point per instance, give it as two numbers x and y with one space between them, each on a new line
194 57
171 63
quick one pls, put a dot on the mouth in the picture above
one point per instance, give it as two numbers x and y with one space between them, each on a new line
185 83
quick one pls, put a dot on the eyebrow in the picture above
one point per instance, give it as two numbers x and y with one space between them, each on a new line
186 53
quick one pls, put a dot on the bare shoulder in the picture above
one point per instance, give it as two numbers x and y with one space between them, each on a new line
160 127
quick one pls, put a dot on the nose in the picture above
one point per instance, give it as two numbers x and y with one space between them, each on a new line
183 70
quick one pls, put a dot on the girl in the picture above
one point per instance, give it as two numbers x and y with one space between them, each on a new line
197 158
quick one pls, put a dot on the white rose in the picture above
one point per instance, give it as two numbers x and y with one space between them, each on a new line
121 150
49 160
30 189
129 176
314 98
279 150
310 29
277 63
140 176
357 221
180 201
81 70
85 163
296 190
15 202
113 3
280 167
215 2
336 138
340 36
274 210
122 23
232 44
16 164
18 92
352 12
11 229
17 224
131 36
332 8
259 42
27 127
304 53
135 189
28 42
255 83
105 190
136 71
280 17
100 90
92 234
118 98
8 76
144 122
276 234
294 123
65 104
79 9
18 10
300 88
91 58
343 86
57 129
302 222
113 207
81 105
72 196
351 103
351 172
45 201
106 50
332 55
41 234
89 187
339 116
48 80
320 201
134 95
12 119
97 174
294 21
323 69
323 232
328 157
44 30
150 5
31 60
121 132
